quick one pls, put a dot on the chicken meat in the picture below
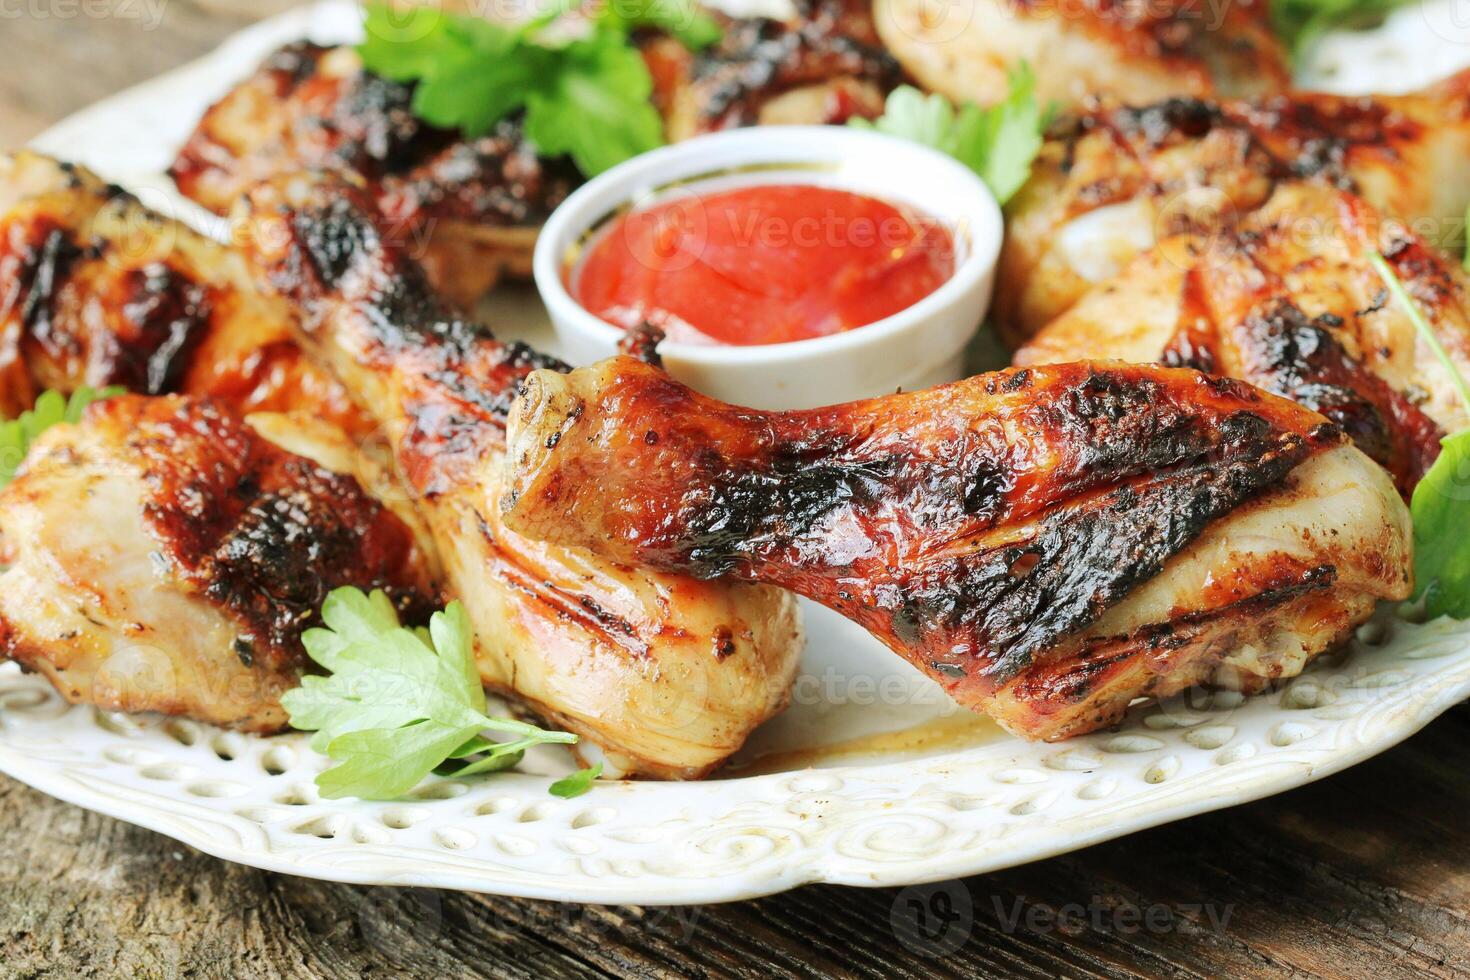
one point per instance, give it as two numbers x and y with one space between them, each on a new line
97 290
1111 183
668 674
1289 301
1046 543
1130 52
162 555
471 208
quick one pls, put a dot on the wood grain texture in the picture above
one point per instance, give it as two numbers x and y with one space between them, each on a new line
1364 874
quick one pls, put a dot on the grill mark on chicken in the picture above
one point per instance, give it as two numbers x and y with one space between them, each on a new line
757 59
621 656
473 204
1283 351
36 273
762 505
224 549
161 312
983 529
1076 680
96 290
463 382
263 532
1079 562
1286 136
1199 166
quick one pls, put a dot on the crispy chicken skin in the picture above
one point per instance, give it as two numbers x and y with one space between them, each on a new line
1131 52
1111 183
469 208
1289 302
825 64
163 556
666 673
1047 544
97 290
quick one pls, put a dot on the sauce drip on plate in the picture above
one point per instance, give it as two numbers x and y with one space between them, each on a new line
763 264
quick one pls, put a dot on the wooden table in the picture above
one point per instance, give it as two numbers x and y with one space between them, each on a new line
1363 874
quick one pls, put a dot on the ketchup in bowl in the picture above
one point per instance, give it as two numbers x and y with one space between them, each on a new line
763 264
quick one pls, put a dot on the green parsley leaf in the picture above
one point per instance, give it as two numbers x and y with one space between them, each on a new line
51 408
1441 502
596 107
585 94
1300 22
1441 509
398 703
403 43
681 19
999 143
577 783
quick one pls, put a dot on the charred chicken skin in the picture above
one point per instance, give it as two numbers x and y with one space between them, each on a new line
667 673
824 64
1113 182
470 208
1082 48
1289 302
1048 544
97 290
163 556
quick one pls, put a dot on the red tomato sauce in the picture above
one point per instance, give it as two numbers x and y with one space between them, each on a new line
763 264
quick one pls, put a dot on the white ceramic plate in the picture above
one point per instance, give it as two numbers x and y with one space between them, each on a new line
872 778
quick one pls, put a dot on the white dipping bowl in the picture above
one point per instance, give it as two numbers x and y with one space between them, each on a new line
917 347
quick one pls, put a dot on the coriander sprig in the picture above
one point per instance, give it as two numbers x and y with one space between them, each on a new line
398 704
585 91
1440 506
52 408
999 142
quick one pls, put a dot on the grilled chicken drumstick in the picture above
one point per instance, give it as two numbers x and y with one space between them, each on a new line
1111 183
97 290
162 555
475 205
1048 543
1290 302
1129 52
667 673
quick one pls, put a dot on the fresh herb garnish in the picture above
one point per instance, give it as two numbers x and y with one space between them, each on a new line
398 704
999 143
52 408
1300 22
1441 502
577 783
585 90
